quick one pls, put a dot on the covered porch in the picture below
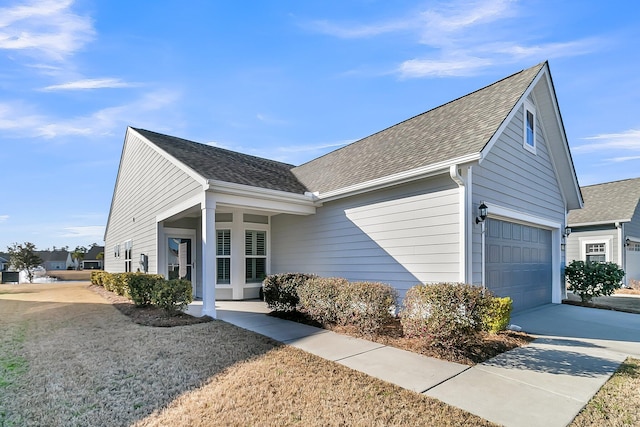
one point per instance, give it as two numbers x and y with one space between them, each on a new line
221 240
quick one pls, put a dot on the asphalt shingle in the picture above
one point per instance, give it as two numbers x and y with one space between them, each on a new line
461 127
453 130
607 202
225 165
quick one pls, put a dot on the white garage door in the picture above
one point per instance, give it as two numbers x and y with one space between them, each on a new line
632 267
518 263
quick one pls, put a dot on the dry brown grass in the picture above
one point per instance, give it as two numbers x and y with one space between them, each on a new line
618 401
82 362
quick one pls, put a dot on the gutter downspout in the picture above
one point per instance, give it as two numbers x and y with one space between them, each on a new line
463 196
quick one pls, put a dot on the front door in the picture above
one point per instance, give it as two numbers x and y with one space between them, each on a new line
180 258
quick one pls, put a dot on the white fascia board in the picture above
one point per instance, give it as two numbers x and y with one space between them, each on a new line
186 169
398 178
587 224
633 239
501 212
180 207
246 196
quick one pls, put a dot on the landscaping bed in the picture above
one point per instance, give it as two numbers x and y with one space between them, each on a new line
486 347
149 315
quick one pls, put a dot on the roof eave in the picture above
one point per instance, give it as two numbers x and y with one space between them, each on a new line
588 224
398 178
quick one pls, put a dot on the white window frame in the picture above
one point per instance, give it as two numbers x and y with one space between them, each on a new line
597 240
529 108
266 251
128 256
225 255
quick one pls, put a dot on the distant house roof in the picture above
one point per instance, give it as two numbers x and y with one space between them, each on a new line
225 165
92 254
52 256
453 130
607 202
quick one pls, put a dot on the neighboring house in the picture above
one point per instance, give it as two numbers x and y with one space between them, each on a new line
608 227
399 206
55 260
91 261
4 263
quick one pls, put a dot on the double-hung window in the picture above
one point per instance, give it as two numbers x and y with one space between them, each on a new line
255 255
223 257
529 127
596 252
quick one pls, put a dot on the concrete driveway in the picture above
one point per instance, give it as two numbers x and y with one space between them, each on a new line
549 381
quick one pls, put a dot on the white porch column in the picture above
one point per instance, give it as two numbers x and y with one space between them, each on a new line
208 261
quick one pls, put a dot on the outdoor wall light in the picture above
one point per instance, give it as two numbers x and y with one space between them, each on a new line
482 210
567 231
627 242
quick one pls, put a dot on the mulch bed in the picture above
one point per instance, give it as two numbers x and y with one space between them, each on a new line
483 348
148 316
601 306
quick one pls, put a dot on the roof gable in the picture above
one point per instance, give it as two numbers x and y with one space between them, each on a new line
215 163
448 132
608 202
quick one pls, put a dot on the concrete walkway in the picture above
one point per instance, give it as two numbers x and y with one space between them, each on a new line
543 384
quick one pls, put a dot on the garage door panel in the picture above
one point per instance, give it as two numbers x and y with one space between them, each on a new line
518 263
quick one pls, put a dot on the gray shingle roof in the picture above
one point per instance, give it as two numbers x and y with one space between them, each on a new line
461 127
607 202
93 252
228 166
453 130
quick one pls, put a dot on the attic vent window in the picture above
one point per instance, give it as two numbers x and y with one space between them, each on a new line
529 127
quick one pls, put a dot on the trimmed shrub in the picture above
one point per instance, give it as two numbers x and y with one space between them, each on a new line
142 287
172 295
98 277
281 290
447 315
593 279
497 314
366 305
319 298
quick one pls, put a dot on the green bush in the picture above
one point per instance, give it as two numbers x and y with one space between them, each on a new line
366 305
593 279
173 295
98 277
281 290
446 315
319 298
497 314
142 287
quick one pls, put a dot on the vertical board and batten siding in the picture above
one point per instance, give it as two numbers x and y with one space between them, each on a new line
515 178
147 184
401 236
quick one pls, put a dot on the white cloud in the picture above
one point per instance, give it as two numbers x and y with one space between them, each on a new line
47 27
623 159
90 232
270 120
3 218
441 68
90 84
20 120
461 38
627 140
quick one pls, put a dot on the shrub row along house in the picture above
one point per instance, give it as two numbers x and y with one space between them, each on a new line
401 206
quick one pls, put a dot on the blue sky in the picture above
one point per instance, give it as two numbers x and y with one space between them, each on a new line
287 80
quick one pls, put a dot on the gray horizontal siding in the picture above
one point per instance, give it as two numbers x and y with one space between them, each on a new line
401 236
147 184
515 178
